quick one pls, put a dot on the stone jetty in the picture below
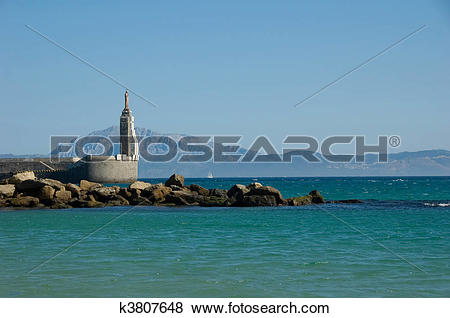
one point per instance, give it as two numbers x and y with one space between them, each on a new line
24 190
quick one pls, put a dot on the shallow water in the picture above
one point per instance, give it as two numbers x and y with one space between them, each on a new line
396 244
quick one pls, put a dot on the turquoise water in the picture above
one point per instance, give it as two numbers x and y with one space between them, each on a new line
396 244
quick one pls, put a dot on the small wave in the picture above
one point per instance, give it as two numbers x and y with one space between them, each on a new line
437 204
398 180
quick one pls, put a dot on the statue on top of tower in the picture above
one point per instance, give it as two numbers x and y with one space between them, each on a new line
126 99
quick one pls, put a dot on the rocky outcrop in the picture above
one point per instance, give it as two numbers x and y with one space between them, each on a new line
29 192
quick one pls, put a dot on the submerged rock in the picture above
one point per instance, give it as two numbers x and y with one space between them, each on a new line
348 201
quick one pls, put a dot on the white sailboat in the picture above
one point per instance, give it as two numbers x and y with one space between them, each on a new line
210 175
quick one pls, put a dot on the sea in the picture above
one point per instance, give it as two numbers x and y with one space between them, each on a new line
395 244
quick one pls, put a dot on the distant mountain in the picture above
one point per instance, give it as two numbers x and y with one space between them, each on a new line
420 163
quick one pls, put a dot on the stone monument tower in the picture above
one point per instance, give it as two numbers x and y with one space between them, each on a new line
128 140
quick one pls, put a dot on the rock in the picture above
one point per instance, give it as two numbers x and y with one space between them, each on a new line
7 190
117 200
104 194
218 193
317 198
74 189
177 200
210 201
4 203
63 196
21 177
25 202
139 185
140 201
81 203
237 192
156 193
135 193
55 184
258 200
200 190
313 197
297 201
123 192
87 185
175 179
60 205
348 201
267 190
254 185
176 188
187 195
46 193
30 185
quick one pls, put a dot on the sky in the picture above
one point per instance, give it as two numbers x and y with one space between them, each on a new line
228 67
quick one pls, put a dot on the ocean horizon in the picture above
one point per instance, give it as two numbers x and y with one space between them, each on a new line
394 244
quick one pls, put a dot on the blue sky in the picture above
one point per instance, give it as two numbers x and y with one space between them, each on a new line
229 67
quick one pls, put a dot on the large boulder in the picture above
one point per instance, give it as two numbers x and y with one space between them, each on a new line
254 185
314 197
21 176
317 198
87 185
218 193
210 201
189 196
25 202
139 185
125 193
63 196
117 200
30 186
297 201
104 194
7 190
46 193
74 189
237 192
258 200
156 192
267 190
175 179
55 184
175 199
199 189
